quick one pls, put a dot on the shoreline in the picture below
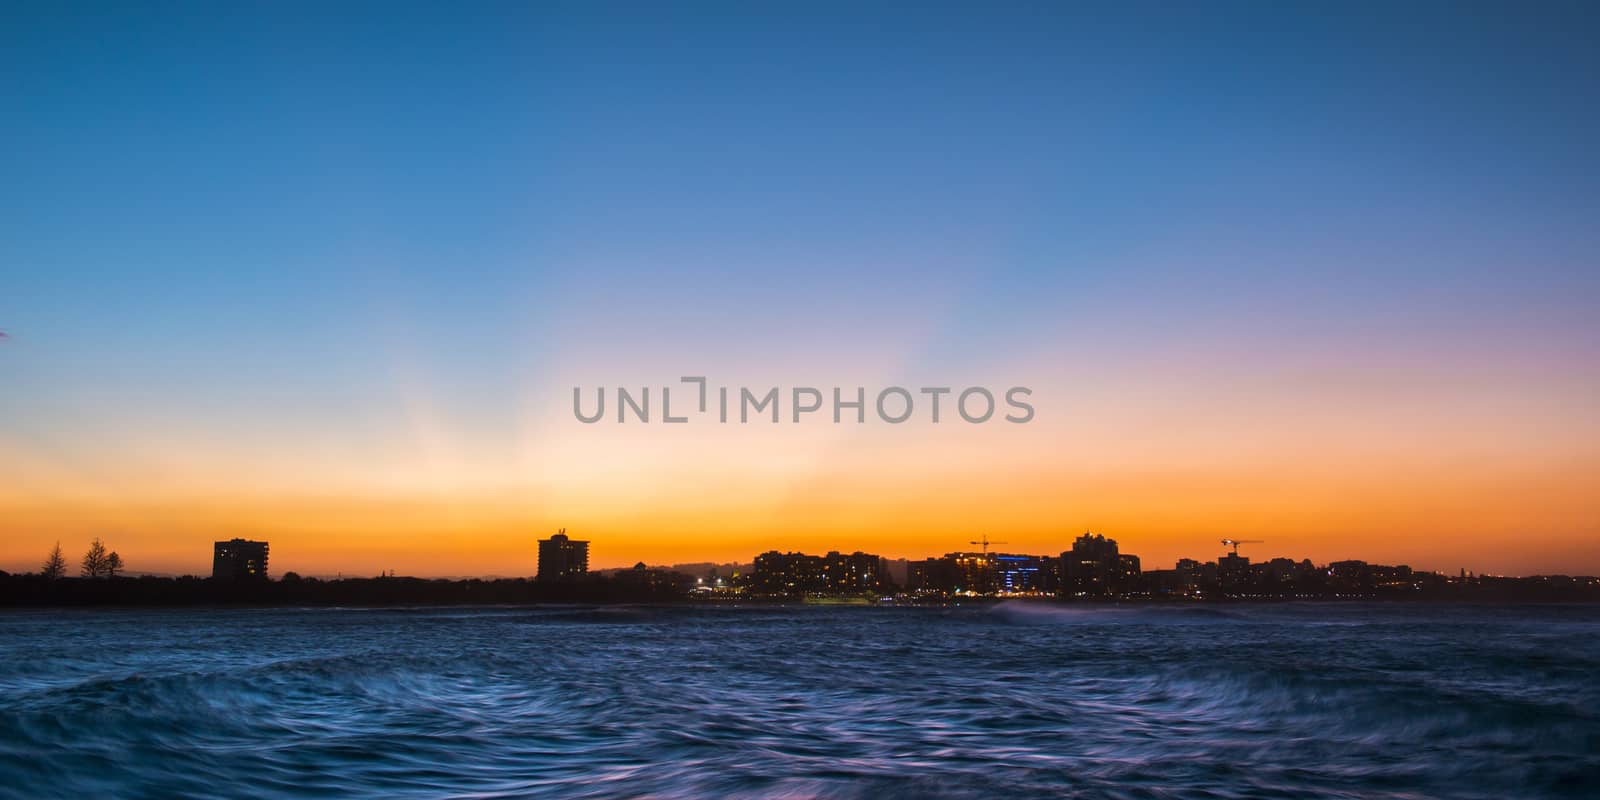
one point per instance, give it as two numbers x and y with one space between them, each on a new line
761 604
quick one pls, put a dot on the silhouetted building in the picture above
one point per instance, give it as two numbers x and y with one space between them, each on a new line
933 576
1125 578
955 573
775 573
983 574
974 572
1350 578
781 574
1023 574
898 569
653 579
1233 573
1094 568
856 572
1278 573
239 559
561 557
1190 575
1392 578
1162 582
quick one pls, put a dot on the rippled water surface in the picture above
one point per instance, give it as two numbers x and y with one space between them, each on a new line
1011 700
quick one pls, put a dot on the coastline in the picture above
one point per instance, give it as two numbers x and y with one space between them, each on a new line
30 591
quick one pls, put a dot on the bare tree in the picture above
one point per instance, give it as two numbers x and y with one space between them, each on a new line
113 564
94 561
55 566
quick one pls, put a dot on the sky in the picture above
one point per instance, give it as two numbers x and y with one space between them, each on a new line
326 274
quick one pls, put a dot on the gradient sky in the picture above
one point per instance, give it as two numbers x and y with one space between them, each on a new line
1320 274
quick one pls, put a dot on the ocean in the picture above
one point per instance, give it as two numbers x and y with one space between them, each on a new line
993 700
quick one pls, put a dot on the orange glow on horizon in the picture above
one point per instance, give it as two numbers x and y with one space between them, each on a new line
1482 523
1494 482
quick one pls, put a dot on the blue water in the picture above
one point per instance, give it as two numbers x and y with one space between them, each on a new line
1357 701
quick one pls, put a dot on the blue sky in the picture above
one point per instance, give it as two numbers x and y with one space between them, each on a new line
281 164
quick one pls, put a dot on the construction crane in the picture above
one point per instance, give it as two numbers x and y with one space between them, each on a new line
985 542
1234 543
986 581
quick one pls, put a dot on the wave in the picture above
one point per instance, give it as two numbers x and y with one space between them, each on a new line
1019 698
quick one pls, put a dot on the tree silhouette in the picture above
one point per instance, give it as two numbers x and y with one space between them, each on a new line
94 561
113 564
55 566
